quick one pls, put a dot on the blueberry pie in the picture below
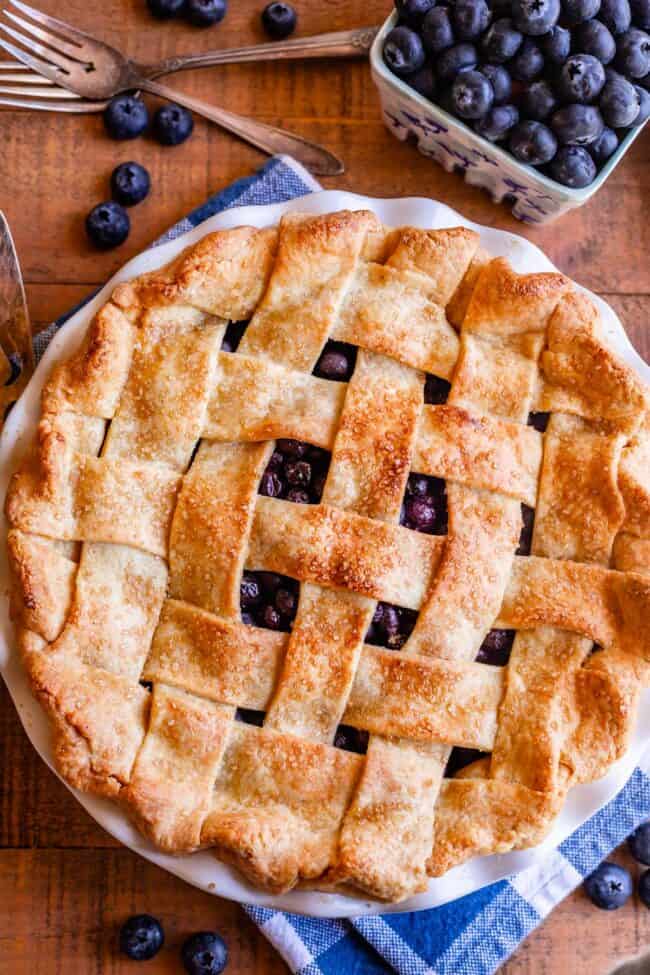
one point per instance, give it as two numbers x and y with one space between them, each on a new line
333 552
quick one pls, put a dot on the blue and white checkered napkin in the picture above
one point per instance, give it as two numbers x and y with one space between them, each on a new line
469 936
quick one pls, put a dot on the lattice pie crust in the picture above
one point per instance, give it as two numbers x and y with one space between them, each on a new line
137 511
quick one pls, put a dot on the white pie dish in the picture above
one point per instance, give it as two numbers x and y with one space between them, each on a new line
203 869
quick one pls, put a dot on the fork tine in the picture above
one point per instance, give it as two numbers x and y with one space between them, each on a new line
75 106
71 33
24 77
53 57
41 67
52 92
52 40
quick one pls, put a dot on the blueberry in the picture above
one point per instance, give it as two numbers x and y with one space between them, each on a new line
470 18
501 41
528 63
472 95
412 12
496 648
286 602
460 57
420 514
130 183
644 887
204 953
205 13
108 225
604 146
535 17
644 105
437 32
250 593
279 20
619 102
645 82
333 364
640 13
126 117
497 123
573 166
351 739
141 937
639 843
164 9
577 125
615 15
270 485
582 79
172 124
532 143
403 51
270 618
527 513
291 448
577 11
633 53
609 886
500 80
417 485
298 496
298 473
538 100
436 390
424 82
556 45
595 39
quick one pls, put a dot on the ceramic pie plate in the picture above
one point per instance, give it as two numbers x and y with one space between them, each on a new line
203 869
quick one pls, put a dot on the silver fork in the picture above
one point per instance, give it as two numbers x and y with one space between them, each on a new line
94 70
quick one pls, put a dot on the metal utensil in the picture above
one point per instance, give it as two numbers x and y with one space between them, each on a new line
89 68
16 353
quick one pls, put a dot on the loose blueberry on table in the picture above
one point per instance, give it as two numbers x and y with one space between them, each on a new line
279 20
141 937
609 886
126 117
639 843
205 13
130 183
204 953
108 225
172 124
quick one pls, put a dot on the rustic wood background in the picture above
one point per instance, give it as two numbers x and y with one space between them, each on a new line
65 886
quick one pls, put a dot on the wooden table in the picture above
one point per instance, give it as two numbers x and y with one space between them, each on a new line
65 885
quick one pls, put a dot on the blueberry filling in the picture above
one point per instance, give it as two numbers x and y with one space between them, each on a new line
425 505
233 336
148 686
268 600
436 390
391 626
336 362
249 716
295 472
526 536
351 739
539 421
496 648
460 758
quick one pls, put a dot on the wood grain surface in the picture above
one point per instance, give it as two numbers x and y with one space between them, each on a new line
65 885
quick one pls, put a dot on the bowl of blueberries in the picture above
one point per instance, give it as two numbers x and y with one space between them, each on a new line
535 101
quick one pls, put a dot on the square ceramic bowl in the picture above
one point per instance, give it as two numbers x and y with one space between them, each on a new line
533 197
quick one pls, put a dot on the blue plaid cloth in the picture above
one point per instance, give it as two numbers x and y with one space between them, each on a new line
474 934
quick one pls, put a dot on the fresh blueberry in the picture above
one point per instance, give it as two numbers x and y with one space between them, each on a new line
250 593
535 17
141 937
615 15
644 105
496 124
472 95
470 18
460 57
412 12
556 45
172 124
205 13
577 125
604 146
333 364
619 102
130 183
538 100
204 953
595 39
644 888
108 225
403 51
609 886
279 20
577 11
126 117
633 53
640 13
639 843
501 41
573 166
437 32
424 82
582 79
532 143
528 63
500 80
164 9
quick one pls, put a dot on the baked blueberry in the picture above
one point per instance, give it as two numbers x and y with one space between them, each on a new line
501 41
500 80
298 473
126 117
333 364
205 13
528 513
496 648
538 100
271 485
640 13
619 101
577 125
279 20
286 602
270 618
250 593
573 166
130 183
172 124
472 95
582 78
437 32
424 81
470 18
528 63
351 739
577 11
496 124
556 45
204 953
436 390
644 888
403 51
532 143
141 937
412 12
164 9
535 17
609 886
108 225
615 15
639 843
595 39
644 105
633 53
298 496
291 448
604 146
460 57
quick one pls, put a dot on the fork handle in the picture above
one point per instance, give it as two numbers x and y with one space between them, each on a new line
336 44
269 138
